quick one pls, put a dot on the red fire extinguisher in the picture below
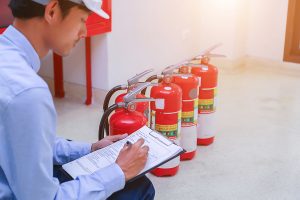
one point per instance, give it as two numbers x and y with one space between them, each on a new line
166 118
190 89
142 107
207 95
127 120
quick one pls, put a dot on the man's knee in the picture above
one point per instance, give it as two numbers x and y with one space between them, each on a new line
148 189
140 189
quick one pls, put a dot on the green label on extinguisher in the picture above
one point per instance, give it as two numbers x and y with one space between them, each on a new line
207 105
189 112
170 128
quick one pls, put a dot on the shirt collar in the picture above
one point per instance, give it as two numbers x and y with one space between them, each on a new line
16 37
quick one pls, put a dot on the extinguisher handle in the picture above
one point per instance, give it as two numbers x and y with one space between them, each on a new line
154 77
135 79
207 56
141 100
216 55
170 69
207 53
210 49
131 95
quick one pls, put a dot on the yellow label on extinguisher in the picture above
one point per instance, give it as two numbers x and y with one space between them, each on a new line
206 102
164 128
170 130
206 105
188 114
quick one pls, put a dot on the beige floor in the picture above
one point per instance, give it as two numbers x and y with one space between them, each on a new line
256 154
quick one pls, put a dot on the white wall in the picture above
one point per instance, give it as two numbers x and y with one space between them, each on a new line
159 33
266 28
225 22
145 34
151 34
74 64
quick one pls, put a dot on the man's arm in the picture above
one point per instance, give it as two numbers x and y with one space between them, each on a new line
27 154
66 151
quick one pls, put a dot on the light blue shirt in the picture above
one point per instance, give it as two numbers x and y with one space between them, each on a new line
28 144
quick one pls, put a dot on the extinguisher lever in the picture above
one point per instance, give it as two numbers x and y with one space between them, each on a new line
141 100
207 53
216 55
154 77
170 69
135 79
131 95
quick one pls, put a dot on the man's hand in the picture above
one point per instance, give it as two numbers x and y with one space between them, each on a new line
132 158
108 140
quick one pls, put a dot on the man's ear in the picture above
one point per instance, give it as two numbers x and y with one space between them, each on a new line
52 12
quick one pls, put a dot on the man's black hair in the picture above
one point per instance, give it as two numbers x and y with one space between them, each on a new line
26 9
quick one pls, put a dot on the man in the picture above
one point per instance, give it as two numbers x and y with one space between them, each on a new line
28 145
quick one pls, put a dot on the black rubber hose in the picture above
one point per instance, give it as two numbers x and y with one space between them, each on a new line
106 103
150 79
109 95
104 120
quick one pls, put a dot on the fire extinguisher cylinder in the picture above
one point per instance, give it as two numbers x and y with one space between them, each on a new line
166 119
200 66
190 89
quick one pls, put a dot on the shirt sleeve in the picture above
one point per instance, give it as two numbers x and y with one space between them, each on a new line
66 151
27 156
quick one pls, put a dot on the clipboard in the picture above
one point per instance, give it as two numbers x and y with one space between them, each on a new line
169 150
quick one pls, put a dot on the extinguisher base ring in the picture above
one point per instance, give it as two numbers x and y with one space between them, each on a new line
205 142
188 155
165 171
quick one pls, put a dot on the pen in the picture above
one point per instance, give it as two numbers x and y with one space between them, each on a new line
128 143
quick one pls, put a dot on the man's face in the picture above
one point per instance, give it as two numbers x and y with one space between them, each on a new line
65 33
